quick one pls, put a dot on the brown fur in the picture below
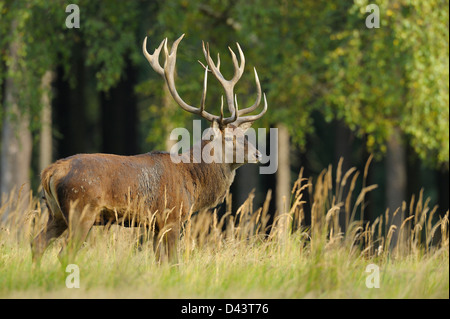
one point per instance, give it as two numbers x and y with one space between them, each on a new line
99 189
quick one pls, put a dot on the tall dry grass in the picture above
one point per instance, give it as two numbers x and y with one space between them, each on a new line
337 232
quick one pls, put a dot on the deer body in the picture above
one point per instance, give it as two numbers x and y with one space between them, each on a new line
130 190
111 183
101 189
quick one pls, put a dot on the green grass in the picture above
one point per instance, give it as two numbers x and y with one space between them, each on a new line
238 270
238 257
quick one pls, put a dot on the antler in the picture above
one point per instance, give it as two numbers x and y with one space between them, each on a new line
168 73
228 86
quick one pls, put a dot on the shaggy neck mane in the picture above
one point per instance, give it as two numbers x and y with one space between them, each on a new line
211 181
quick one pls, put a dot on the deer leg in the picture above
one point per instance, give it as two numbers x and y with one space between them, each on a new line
54 228
172 244
78 231
142 238
167 244
156 244
166 235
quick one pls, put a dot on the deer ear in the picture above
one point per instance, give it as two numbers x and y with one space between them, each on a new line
245 126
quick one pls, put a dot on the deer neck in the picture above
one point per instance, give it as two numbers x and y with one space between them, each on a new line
211 181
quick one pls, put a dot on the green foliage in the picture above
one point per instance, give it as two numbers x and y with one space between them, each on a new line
310 56
44 42
394 76
292 40
424 31
108 32
319 55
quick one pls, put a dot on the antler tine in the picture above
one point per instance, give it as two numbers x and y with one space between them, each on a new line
169 71
205 84
168 74
218 61
258 97
238 69
221 109
252 118
153 59
228 85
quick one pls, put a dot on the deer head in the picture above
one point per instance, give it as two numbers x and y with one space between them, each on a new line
228 131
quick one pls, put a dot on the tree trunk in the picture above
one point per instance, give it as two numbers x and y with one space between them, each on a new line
16 147
283 176
16 137
45 143
396 181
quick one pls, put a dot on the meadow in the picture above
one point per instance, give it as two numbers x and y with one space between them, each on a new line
246 253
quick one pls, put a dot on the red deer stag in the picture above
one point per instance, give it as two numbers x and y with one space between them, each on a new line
96 189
